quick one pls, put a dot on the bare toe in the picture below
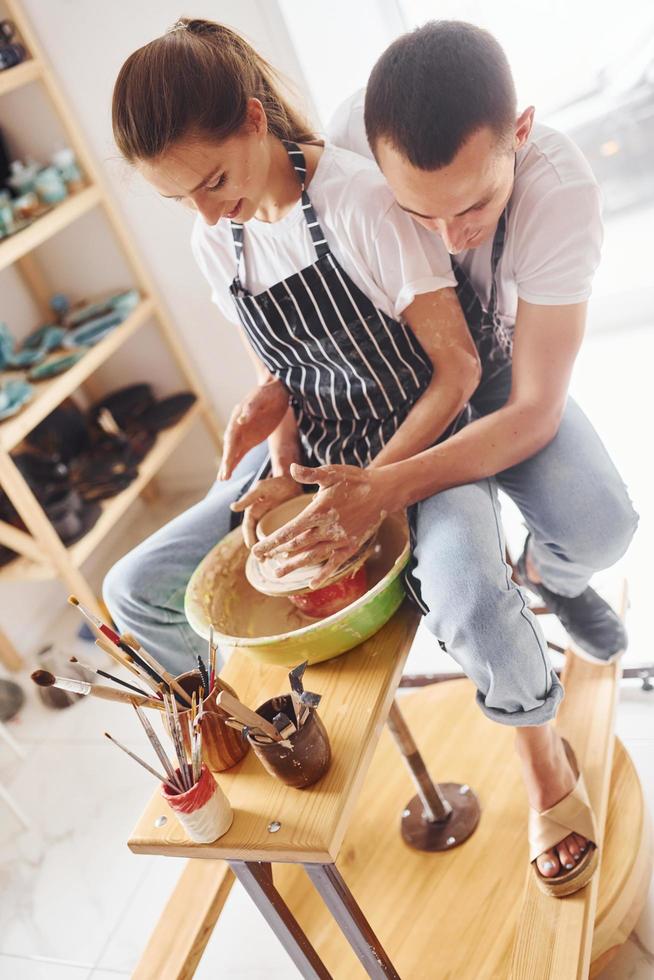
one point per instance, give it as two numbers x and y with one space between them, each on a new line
581 842
565 857
572 845
548 864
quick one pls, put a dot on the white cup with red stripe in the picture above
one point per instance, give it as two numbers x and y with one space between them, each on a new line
203 810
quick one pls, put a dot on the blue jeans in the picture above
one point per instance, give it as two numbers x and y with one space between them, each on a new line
572 499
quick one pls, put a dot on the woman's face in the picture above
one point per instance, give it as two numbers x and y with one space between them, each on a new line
219 179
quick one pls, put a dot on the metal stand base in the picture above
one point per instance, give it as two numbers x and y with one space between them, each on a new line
442 835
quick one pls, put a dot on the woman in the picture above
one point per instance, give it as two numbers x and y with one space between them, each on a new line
348 309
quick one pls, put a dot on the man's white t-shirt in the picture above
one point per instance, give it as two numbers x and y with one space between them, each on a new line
380 247
554 228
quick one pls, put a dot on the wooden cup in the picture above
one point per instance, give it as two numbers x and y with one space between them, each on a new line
309 754
222 746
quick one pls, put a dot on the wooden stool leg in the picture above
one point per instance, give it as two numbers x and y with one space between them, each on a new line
256 878
355 927
9 655
442 815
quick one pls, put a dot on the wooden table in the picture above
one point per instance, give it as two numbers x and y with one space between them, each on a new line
274 823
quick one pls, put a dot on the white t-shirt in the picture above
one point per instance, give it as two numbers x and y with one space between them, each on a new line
380 247
554 228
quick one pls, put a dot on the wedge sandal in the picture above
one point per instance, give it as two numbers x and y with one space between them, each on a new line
572 814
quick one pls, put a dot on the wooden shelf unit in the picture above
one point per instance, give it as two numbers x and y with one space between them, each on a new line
13 78
42 554
14 248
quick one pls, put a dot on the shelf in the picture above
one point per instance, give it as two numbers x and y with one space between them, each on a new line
51 393
18 245
113 509
13 78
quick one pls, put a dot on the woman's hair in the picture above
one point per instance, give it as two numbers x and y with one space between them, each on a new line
196 78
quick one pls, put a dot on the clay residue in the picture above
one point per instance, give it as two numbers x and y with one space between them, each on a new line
237 609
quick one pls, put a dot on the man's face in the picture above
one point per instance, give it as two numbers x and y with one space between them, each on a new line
464 200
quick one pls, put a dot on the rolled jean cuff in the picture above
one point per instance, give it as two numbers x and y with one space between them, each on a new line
539 715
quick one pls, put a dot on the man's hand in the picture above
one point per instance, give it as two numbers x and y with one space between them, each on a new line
252 421
349 507
261 498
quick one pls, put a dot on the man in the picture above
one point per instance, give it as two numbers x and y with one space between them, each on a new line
518 209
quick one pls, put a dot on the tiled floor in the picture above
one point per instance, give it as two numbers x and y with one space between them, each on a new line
76 904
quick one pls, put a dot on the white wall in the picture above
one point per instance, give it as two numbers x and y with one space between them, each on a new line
86 42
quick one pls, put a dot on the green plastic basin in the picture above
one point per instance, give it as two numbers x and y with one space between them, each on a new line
271 629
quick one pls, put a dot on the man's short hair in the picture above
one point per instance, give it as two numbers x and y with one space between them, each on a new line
436 86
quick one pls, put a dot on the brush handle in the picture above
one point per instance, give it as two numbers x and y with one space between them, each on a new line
242 713
115 654
153 664
111 694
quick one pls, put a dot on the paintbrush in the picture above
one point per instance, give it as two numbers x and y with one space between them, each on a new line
105 630
212 660
176 732
109 677
204 677
120 658
159 670
45 679
232 706
142 762
158 748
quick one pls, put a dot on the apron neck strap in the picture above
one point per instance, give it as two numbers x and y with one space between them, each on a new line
296 156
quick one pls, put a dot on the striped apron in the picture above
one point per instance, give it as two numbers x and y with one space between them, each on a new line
352 372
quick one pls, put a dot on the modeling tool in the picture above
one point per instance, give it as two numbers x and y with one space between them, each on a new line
45 679
232 706
284 725
297 688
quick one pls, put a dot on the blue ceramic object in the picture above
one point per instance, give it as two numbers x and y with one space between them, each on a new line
92 331
47 338
122 303
6 345
50 186
52 368
13 395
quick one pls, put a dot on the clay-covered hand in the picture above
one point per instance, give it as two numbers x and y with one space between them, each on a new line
252 421
349 507
261 498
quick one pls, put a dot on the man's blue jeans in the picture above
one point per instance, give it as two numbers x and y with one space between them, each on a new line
573 501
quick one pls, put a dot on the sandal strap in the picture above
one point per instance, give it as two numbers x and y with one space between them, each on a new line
572 814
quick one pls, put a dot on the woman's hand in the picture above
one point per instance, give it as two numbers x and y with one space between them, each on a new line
349 507
261 498
252 421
